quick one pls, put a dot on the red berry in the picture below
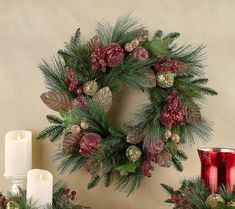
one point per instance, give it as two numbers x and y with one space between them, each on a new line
66 191
73 193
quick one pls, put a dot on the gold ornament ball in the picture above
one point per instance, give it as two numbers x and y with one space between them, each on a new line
135 43
167 134
213 201
133 153
90 88
75 129
84 125
11 205
128 47
175 138
165 79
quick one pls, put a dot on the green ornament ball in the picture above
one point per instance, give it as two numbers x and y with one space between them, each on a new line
214 200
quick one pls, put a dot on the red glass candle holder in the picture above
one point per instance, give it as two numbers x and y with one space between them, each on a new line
218 168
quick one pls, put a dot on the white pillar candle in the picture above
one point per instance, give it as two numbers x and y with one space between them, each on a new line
18 152
40 187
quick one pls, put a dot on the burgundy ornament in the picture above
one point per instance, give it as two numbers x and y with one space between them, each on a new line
110 55
89 143
140 53
167 65
156 148
173 113
218 168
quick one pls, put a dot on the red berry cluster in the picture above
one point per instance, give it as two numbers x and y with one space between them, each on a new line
70 194
111 55
167 65
72 80
173 113
180 201
146 167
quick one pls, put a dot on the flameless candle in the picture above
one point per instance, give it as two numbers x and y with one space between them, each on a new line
18 152
40 187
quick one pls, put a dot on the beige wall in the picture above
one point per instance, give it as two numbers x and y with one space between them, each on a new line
30 30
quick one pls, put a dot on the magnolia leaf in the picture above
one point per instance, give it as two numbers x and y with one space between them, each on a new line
149 78
94 42
104 98
158 47
57 101
127 168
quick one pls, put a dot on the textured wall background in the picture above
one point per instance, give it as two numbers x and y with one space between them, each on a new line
30 30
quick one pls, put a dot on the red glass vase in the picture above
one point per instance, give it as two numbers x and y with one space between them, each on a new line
218 168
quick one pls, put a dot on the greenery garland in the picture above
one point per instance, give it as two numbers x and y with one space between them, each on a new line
193 194
81 80
63 198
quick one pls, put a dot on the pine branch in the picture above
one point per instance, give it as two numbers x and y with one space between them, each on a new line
130 182
177 164
181 155
93 183
108 178
53 132
69 163
200 81
54 119
169 189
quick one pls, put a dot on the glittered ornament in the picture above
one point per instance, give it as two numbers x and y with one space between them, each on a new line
110 55
140 53
75 129
84 125
128 47
165 79
114 54
175 138
167 134
156 147
90 88
214 200
89 143
135 42
164 159
11 205
193 114
173 113
133 153
71 144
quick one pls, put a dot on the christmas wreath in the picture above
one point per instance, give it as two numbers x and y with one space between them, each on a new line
63 198
193 194
81 81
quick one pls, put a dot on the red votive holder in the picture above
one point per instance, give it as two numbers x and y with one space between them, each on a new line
218 168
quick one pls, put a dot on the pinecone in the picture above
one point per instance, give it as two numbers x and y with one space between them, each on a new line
70 144
164 159
193 114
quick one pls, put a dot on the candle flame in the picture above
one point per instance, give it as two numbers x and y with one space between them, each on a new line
18 137
40 178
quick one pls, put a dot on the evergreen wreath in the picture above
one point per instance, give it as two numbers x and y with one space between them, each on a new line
81 80
193 194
